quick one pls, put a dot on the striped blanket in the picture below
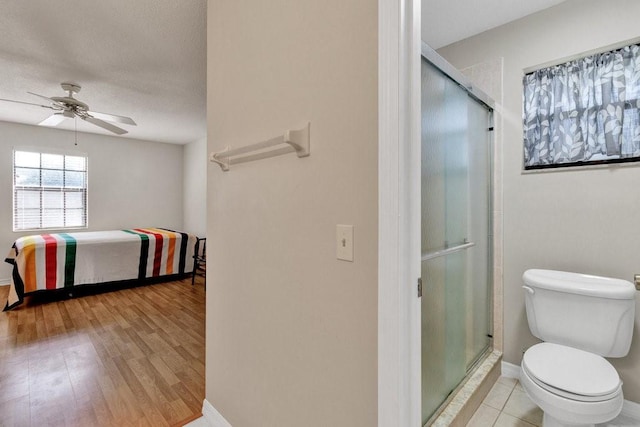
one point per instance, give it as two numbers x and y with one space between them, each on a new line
56 261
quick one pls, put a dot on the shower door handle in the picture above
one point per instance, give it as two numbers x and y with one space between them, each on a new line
447 251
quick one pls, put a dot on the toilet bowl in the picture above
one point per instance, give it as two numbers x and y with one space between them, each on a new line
571 386
582 319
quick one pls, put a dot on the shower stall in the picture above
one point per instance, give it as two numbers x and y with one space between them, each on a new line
456 230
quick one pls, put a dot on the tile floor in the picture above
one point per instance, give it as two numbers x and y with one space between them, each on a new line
507 405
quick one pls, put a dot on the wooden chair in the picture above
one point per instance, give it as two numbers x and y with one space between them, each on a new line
199 259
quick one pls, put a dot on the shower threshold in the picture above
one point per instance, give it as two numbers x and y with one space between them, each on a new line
463 401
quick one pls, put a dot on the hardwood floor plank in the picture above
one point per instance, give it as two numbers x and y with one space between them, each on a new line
186 395
16 412
133 357
163 370
82 415
194 363
136 386
138 342
115 401
194 386
14 381
180 409
154 388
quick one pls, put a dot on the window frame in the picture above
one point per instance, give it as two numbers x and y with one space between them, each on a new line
41 189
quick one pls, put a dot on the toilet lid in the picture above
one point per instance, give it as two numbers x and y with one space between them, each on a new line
571 370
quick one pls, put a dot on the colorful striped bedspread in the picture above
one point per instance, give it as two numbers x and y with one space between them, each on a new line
55 261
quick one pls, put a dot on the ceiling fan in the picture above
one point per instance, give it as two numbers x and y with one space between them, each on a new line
69 107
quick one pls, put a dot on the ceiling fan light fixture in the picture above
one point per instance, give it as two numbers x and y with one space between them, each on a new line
69 107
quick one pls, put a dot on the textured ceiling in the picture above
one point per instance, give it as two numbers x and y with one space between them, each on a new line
448 21
145 59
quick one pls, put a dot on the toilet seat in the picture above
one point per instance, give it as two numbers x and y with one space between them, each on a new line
571 373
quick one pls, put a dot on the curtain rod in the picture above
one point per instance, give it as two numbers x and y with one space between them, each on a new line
570 58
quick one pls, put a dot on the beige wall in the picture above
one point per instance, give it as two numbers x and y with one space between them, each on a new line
195 187
292 331
578 220
132 183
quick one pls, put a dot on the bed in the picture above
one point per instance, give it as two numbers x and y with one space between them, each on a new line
50 262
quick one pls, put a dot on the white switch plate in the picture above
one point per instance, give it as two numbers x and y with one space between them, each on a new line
344 242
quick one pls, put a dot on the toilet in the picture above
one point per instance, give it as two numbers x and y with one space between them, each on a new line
581 319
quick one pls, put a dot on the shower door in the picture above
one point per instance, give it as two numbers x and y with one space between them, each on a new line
456 241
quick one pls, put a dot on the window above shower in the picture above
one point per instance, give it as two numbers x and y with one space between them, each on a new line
585 111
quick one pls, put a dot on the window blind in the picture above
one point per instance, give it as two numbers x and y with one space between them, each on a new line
49 191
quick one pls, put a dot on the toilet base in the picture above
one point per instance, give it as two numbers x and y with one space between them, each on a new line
549 421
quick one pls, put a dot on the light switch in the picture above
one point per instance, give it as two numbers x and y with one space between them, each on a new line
344 242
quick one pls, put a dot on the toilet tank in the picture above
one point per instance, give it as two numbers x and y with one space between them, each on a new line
591 313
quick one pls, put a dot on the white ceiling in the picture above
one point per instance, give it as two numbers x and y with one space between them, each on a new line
145 59
448 21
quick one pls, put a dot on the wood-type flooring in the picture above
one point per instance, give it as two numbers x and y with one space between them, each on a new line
132 357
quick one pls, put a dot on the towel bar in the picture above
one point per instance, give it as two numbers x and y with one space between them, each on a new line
297 141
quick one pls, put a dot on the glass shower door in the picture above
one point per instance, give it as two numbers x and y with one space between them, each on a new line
455 235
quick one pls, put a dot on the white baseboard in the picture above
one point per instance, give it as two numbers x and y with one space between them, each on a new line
510 370
198 422
212 416
629 409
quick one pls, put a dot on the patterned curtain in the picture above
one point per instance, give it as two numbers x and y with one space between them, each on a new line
583 110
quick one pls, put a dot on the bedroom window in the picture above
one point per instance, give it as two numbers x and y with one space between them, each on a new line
49 191
585 111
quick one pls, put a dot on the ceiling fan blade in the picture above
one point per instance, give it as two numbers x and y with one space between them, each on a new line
104 125
53 120
53 101
113 118
27 103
